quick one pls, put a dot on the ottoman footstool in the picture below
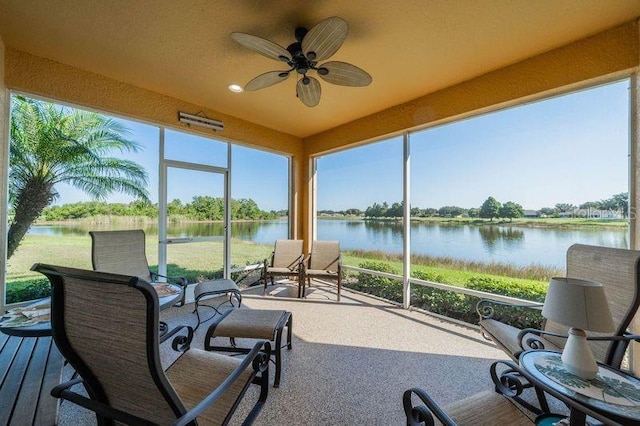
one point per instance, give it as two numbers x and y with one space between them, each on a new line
252 324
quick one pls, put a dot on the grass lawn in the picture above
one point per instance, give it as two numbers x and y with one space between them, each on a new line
75 251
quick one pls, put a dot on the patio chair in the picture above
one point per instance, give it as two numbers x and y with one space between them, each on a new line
617 269
324 261
285 261
106 327
123 252
504 406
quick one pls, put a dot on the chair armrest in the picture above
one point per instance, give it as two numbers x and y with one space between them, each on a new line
269 260
180 343
485 309
423 414
180 280
257 358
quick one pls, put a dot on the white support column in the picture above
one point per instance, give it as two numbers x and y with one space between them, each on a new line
313 208
634 184
162 208
227 217
406 222
634 161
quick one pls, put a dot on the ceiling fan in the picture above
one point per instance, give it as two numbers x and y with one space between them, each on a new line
303 55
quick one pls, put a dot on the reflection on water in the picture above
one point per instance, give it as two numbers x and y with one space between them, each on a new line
260 232
490 243
492 236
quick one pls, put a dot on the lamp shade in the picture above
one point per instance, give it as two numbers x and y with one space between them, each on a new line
579 304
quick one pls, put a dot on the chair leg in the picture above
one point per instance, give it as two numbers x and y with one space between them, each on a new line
276 382
339 287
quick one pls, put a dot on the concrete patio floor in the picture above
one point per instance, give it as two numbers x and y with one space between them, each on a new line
351 361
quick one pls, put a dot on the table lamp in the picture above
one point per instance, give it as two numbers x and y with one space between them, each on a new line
581 305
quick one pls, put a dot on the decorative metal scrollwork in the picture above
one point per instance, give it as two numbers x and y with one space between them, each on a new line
427 410
533 342
181 343
261 361
484 309
509 381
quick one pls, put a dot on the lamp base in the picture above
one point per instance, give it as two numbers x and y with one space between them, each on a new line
577 357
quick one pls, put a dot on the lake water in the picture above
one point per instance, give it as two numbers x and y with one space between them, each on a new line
505 244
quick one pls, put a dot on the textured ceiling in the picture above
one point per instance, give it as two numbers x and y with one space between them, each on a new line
410 47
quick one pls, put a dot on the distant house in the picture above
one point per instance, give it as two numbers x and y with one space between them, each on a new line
531 213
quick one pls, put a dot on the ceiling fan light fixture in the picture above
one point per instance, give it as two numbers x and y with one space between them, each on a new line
236 88
311 46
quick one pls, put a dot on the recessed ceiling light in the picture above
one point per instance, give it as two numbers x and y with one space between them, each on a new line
235 88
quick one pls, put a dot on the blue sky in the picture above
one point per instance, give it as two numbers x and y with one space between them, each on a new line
256 174
571 148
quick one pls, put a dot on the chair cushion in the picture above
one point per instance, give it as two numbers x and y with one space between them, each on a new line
487 408
197 373
250 323
321 272
506 337
281 271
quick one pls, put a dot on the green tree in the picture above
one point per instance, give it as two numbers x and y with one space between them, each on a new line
473 212
52 145
548 212
451 211
620 202
490 209
565 207
511 210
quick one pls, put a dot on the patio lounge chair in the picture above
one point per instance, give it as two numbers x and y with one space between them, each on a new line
123 253
106 326
617 269
285 261
324 261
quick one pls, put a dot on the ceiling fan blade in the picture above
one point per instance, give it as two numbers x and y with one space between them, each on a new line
262 46
265 80
325 38
309 93
344 74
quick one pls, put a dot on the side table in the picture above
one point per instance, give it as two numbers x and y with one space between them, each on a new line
613 393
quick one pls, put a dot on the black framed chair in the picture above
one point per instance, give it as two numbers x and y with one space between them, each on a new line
324 261
124 253
106 326
285 261
507 405
619 272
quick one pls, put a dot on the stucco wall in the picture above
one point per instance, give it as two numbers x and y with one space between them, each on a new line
610 52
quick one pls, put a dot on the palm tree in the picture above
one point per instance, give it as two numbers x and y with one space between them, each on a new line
51 145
